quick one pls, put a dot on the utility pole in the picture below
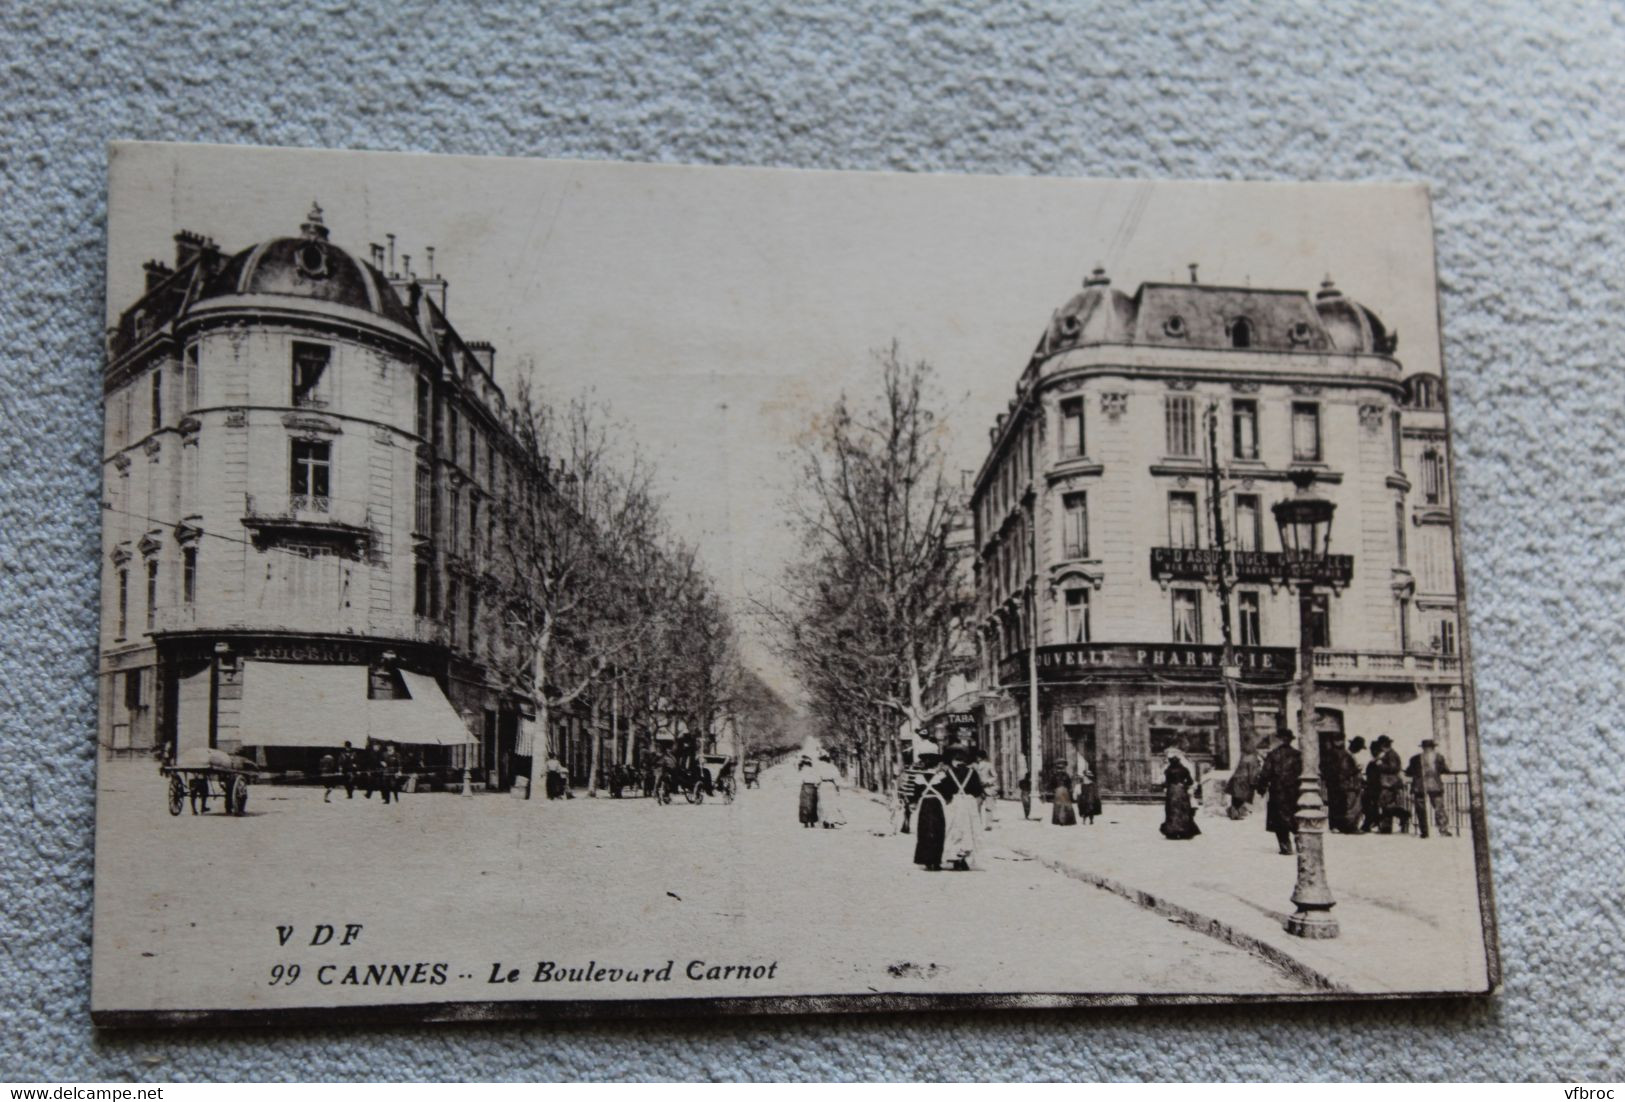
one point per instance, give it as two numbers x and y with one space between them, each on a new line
1034 772
1229 720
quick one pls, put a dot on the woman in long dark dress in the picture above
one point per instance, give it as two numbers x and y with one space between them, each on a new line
809 792
1178 818
1061 813
1088 793
1341 777
931 820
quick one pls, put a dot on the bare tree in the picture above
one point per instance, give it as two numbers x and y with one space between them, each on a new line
568 545
870 600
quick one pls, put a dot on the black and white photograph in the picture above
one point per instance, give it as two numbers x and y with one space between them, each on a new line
537 589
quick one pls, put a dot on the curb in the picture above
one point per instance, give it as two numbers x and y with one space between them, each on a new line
1200 923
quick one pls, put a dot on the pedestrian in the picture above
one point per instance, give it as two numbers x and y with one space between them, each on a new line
1426 771
1025 787
829 783
1279 778
1391 801
1086 792
347 769
389 773
808 776
1341 778
555 778
1060 788
1242 778
327 770
987 804
369 770
198 790
1362 758
931 819
1371 794
961 786
1178 817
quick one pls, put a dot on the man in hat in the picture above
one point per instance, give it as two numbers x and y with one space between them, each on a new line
1390 778
1426 771
1279 777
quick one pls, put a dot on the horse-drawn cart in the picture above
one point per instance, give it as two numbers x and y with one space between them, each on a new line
200 772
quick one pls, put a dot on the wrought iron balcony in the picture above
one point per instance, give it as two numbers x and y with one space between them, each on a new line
307 518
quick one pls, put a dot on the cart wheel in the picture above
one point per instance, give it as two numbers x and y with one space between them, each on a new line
177 795
696 795
237 796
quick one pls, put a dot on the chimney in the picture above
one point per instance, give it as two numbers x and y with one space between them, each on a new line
157 271
187 246
377 251
391 239
486 354
1193 272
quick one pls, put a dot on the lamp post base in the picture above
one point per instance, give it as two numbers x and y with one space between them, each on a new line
468 786
1313 924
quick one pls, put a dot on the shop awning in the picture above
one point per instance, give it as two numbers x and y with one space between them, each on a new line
428 719
323 707
304 704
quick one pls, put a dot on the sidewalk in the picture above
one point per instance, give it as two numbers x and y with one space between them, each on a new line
1408 907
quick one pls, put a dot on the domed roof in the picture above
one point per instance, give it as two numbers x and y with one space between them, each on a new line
1097 314
1352 327
310 266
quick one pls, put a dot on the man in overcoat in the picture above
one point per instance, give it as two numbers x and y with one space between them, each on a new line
1426 771
1391 802
1279 778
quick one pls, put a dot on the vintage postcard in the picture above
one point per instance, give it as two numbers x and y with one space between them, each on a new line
554 589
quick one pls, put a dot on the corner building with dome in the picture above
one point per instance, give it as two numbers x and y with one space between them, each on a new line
1101 467
306 473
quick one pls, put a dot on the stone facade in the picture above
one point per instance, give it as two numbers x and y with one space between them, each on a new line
304 462
1103 455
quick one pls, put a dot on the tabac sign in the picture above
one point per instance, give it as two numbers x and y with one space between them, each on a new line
1204 563
1075 661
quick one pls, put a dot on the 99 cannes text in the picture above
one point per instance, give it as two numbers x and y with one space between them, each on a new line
438 973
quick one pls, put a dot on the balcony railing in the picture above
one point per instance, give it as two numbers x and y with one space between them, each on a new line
1351 665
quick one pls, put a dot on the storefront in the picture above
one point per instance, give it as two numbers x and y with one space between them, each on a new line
1121 707
288 701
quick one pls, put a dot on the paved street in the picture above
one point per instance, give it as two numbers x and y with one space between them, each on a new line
494 881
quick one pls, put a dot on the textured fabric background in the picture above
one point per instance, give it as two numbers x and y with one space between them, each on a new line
1511 112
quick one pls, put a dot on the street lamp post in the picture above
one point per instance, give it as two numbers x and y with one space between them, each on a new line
1305 525
468 785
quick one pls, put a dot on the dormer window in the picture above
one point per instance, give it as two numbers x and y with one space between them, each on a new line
1241 333
311 258
1174 326
1425 392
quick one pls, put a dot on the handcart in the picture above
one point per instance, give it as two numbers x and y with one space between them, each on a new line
202 772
